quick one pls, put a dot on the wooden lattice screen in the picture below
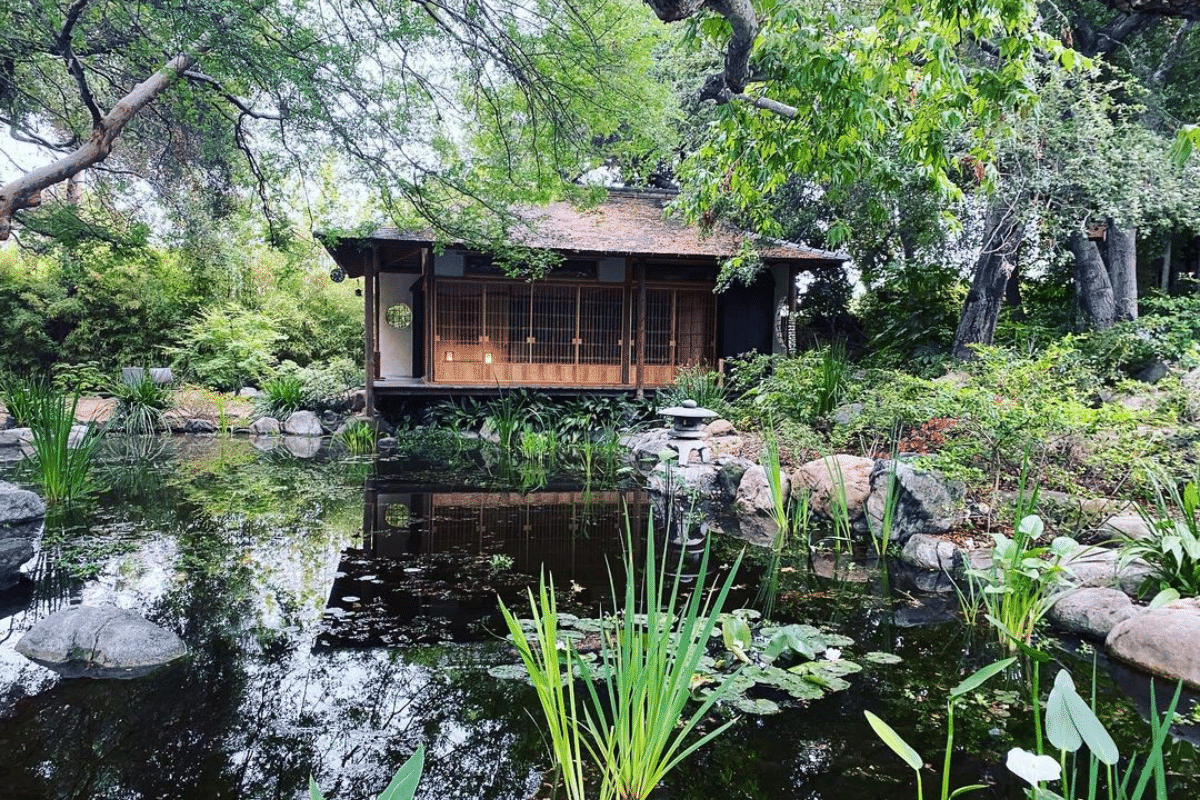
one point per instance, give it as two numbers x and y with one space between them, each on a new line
566 335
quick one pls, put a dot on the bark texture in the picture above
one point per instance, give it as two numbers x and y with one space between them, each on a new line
1122 270
997 260
1185 9
1092 286
26 191
730 83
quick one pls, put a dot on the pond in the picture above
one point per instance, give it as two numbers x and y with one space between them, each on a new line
341 612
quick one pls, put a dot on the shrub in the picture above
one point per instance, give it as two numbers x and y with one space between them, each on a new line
140 403
1173 552
227 346
282 395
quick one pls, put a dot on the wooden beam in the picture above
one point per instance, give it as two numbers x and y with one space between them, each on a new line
641 329
370 267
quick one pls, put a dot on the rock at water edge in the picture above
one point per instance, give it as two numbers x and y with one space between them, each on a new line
104 638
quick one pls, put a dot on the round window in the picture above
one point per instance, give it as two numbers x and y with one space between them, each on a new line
396 515
399 316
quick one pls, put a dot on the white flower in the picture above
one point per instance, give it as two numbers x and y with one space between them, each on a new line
832 653
1032 769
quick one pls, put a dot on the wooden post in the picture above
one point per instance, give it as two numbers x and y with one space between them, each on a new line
641 329
370 266
430 321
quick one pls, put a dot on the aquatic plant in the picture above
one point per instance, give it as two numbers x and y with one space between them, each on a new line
403 785
1021 583
141 404
19 396
833 372
550 669
357 437
629 724
63 462
910 756
537 446
1070 723
1173 549
881 537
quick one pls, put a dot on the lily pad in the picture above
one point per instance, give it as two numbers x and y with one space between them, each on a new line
877 657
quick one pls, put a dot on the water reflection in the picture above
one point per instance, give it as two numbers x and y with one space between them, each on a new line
432 564
253 558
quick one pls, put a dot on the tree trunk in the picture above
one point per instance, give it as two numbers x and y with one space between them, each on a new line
1092 286
997 260
1165 276
1122 271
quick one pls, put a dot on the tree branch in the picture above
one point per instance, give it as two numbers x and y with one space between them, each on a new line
241 105
26 191
1186 9
741 18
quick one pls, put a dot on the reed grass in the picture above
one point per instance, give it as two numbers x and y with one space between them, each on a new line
634 722
630 721
63 466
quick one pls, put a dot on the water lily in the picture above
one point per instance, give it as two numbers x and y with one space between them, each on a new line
1032 768
832 653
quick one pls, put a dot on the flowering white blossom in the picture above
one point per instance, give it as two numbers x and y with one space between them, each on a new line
832 653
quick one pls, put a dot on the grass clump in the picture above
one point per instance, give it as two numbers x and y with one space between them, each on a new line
141 404
630 722
61 457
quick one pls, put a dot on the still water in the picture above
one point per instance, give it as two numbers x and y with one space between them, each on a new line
340 612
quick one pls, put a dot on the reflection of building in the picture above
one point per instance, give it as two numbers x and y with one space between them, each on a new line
568 533
433 563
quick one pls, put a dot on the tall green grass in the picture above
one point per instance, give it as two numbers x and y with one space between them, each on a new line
630 722
141 404
64 467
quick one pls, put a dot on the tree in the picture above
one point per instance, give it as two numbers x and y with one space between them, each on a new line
856 94
425 103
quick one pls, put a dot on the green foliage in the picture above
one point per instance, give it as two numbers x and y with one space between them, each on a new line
358 437
63 462
701 384
22 396
227 346
866 82
1173 549
1167 330
403 785
1022 582
630 726
282 395
140 404
909 315
910 756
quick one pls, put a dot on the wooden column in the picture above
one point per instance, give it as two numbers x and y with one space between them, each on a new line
641 329
427 322
370 268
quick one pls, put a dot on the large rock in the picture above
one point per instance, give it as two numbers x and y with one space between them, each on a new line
925 502
1130 526
720 427
101 642
1092 612
1101 567
754 493
646 445
19 505
13 553
926 551
303 423
15 437
265 426
827 477
1164 642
